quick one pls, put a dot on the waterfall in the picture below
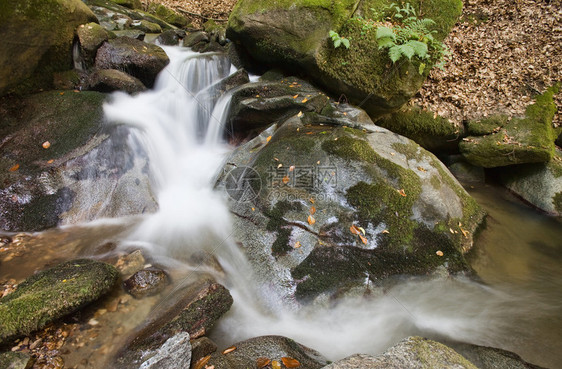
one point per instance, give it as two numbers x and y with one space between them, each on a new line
179 125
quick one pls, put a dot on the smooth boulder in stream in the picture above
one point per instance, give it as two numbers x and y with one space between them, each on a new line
325 206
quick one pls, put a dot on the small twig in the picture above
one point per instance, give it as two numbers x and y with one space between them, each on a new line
200 15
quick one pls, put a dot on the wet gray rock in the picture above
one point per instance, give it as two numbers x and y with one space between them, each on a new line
171 37
146 282
131 263
271 347
335 205
109 80
139 59
412 352
194 38
113 16
538 184
52 294
491 358
132 33
15 360
193 309
146 26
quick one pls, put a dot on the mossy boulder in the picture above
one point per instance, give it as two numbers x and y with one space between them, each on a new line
490 358
412 352
38 36
146 26
346 179
91 36
52 294
171 37
294 36
272 347
139 59
538 184
521 140
430 131
167 15
486 126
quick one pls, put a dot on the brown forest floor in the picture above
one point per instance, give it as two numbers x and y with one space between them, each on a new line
504 52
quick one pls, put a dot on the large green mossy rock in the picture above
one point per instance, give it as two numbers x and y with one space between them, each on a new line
293 35
521 140
407 203
37 38
430 131
412 352
113 16
167 15
52 294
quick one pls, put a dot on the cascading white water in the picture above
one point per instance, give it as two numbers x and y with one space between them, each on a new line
179 125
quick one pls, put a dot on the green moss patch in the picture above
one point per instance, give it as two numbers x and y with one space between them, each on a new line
486 126
52 294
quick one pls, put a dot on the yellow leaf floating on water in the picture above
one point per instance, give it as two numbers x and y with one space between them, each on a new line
230 349
312 210
311 220
289 362
275 364
262 362
439 253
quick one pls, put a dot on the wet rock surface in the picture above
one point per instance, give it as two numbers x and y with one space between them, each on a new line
248 354
141 60
146 282
109 80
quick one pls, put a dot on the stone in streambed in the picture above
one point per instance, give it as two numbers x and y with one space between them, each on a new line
109 80
193 310
146 282
412 352
139 59
272 347
52 294
15 360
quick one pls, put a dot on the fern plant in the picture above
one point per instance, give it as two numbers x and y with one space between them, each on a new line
410 36
338 40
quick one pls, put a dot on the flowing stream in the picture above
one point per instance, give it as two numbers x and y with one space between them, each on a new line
179 125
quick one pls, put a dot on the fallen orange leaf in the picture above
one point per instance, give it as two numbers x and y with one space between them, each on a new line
275 364
294 97
312 210
311 200
304 100
268 139
402 192
14 168
200 364
311 220
439 253
354 229
230 349
363 239
286 179
289 362
51 161
385 232
291 168
46 144
297 244
262 362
